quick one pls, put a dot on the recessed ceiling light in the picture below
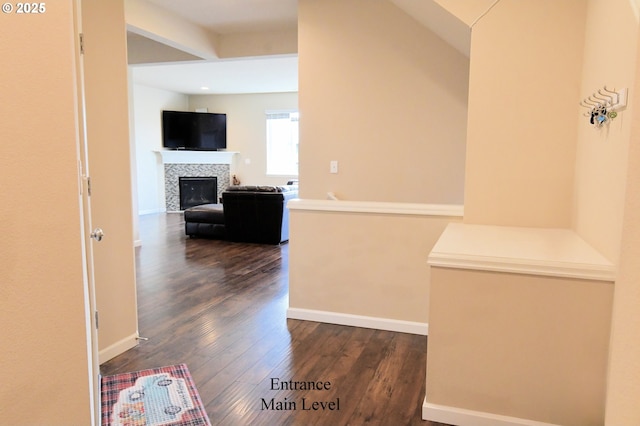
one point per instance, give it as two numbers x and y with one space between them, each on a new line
204 88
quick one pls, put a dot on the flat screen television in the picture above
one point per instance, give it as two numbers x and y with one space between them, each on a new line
196 131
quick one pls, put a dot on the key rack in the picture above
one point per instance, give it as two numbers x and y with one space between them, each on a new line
604 105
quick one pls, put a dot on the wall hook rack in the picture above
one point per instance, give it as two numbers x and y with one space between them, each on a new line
604 105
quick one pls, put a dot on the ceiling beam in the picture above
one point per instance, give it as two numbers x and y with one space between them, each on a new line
155 23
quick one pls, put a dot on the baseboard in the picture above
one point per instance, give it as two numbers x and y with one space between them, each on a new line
150 211
359 321
462 417
117 348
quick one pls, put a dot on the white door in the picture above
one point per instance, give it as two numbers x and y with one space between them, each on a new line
91 235
104 169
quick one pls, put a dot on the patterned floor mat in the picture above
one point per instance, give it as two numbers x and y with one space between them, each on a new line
154 397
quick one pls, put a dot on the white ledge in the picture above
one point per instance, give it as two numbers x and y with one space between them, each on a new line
537 251
196 157
377 207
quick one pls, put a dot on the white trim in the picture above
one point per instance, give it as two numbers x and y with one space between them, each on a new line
281 111
377 207
196 157
386 324
462 417
523 266
151 211
117 348
534 251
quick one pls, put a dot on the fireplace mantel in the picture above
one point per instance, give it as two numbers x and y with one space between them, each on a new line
196 157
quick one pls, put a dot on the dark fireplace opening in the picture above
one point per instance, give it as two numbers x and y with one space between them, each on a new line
197 190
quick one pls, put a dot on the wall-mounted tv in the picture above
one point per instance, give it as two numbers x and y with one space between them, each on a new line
197 131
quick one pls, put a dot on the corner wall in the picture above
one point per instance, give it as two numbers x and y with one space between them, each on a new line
624 356
383 96
387 99
523 99
601 156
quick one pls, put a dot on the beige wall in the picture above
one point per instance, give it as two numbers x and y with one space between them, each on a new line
366 264
247 130
523 100
384 97
599 190
624 358
43 360
523 346
601 159
105 72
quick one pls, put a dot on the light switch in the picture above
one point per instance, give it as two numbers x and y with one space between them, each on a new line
333 166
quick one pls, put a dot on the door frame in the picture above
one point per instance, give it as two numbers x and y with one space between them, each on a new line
85 214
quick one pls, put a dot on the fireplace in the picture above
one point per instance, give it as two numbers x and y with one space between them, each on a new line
199 164
194 191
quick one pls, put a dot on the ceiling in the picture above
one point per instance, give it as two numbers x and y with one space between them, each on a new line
157 63
235 16
161 55
254 75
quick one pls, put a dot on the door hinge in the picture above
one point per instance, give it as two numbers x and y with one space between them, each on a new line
81 36
96 315
89 186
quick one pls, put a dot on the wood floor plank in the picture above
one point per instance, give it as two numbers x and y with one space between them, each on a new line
220 308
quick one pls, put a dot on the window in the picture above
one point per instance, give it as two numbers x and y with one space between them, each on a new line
282 143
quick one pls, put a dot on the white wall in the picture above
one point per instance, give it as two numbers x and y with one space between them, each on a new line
148 103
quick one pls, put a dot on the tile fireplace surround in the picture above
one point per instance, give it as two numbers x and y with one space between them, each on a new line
179 164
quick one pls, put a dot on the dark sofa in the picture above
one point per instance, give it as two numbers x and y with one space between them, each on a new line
257 214
251 214
205 220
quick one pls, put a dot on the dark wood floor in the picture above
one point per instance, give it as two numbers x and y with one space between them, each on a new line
219 307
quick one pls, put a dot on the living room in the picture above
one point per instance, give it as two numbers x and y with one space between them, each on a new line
246 135
388 152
